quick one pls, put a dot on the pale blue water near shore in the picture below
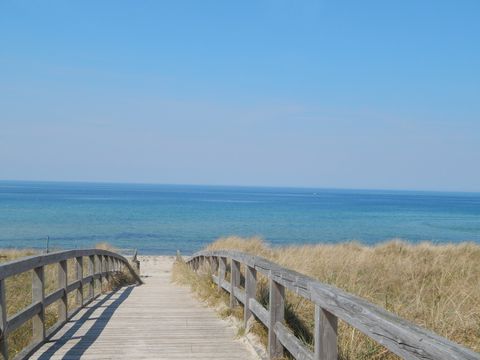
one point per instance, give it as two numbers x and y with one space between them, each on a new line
159 219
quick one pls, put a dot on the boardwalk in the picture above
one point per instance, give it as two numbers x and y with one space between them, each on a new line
157 320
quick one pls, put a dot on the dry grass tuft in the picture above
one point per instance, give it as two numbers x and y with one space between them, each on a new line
434 286
106 246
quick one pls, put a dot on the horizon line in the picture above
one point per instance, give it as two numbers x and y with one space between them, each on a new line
99 182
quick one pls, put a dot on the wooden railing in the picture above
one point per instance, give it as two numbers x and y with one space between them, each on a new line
100 265
400 336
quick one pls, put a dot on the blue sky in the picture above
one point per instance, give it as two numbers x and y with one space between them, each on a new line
344 94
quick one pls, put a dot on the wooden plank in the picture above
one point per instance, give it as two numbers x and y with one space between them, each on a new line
74 286
54 296
91 273
17 320
125 325
234 281
294 346
15 267
239 294
98 273
101 270
221 271
260 312
213 261
276 314
38 296
3 321
250 292
101 259
325 335
62 284
79 277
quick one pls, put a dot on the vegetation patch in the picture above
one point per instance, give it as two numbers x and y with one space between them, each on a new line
434 286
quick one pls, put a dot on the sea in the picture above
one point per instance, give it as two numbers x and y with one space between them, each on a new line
161 219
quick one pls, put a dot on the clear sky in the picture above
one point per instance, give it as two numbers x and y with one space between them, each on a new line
331 93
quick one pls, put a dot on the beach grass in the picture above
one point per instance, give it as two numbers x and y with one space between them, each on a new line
19 293
434 286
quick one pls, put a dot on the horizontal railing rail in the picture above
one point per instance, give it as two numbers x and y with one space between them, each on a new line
100 265
398 335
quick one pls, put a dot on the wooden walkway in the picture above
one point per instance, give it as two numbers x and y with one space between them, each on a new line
157 320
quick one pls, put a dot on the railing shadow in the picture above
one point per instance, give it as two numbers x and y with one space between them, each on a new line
99 323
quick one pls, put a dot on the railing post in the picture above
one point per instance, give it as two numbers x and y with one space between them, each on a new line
3 321
105 266
99 259
325 335
234 281
62 284
276 314
38 295
98 271
79 277
221 271
91 271
213 264
250 292
109 265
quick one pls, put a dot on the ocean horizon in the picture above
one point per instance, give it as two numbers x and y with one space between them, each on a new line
161 219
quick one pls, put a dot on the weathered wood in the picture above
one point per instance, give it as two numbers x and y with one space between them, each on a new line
276 314
234 281
20 318
62 284
91 272
36 311
260 312
213 261
325 335
221 271
54 296
79 277
250 292
108 276
110 266
239 294
15 267
3 321
159 320
101 259
400 336
294 346
38 296
97 271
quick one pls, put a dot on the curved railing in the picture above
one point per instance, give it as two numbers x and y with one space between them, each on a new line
400 336
100 265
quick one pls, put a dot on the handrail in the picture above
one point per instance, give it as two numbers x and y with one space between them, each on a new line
101 264
398 335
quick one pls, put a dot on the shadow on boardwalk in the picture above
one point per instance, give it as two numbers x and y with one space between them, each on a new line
99 324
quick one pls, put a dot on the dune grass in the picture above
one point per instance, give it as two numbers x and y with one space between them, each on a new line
19 293
434 286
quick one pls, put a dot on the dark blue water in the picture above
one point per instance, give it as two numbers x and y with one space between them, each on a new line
163 218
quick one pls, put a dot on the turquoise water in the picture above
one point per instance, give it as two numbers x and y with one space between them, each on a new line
159 219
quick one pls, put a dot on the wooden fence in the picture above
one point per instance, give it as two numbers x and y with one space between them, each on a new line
400 336
100 265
